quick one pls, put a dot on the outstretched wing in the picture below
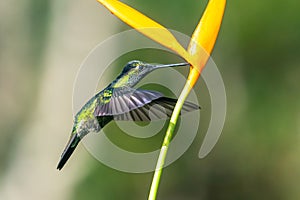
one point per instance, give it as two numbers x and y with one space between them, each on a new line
140 105
123 100
157 109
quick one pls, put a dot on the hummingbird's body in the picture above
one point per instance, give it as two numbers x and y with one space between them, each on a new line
120 101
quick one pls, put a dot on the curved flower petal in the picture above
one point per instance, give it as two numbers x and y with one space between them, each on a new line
204 37
146 26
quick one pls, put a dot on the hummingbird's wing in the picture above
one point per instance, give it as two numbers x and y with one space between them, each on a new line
161 108
140 105
125 99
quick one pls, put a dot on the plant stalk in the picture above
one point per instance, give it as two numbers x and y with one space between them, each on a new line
166 143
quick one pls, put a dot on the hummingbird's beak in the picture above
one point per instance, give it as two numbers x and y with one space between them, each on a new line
171 65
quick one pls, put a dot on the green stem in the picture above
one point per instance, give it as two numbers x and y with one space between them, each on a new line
168 137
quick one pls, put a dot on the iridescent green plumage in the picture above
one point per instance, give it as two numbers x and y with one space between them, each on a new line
120 101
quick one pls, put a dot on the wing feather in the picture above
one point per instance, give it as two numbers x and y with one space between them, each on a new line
124 100
160 108
128 104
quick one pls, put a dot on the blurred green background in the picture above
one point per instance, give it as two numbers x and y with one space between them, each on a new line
42 44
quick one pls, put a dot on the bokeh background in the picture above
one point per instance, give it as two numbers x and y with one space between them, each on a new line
42 44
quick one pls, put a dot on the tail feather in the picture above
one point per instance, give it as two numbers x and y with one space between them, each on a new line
72 144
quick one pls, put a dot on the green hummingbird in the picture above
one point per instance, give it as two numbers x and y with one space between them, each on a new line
120 101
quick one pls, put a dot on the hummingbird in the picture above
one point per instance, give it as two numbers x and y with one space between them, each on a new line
120 101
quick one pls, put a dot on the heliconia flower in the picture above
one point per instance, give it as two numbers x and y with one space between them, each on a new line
203 38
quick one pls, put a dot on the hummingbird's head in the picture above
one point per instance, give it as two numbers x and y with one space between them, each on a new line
135 70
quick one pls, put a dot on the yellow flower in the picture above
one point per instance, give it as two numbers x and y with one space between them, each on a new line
202 41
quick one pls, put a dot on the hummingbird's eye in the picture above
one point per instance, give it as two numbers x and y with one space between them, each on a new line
139 67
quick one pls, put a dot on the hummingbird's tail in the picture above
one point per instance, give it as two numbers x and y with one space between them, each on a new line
72 144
